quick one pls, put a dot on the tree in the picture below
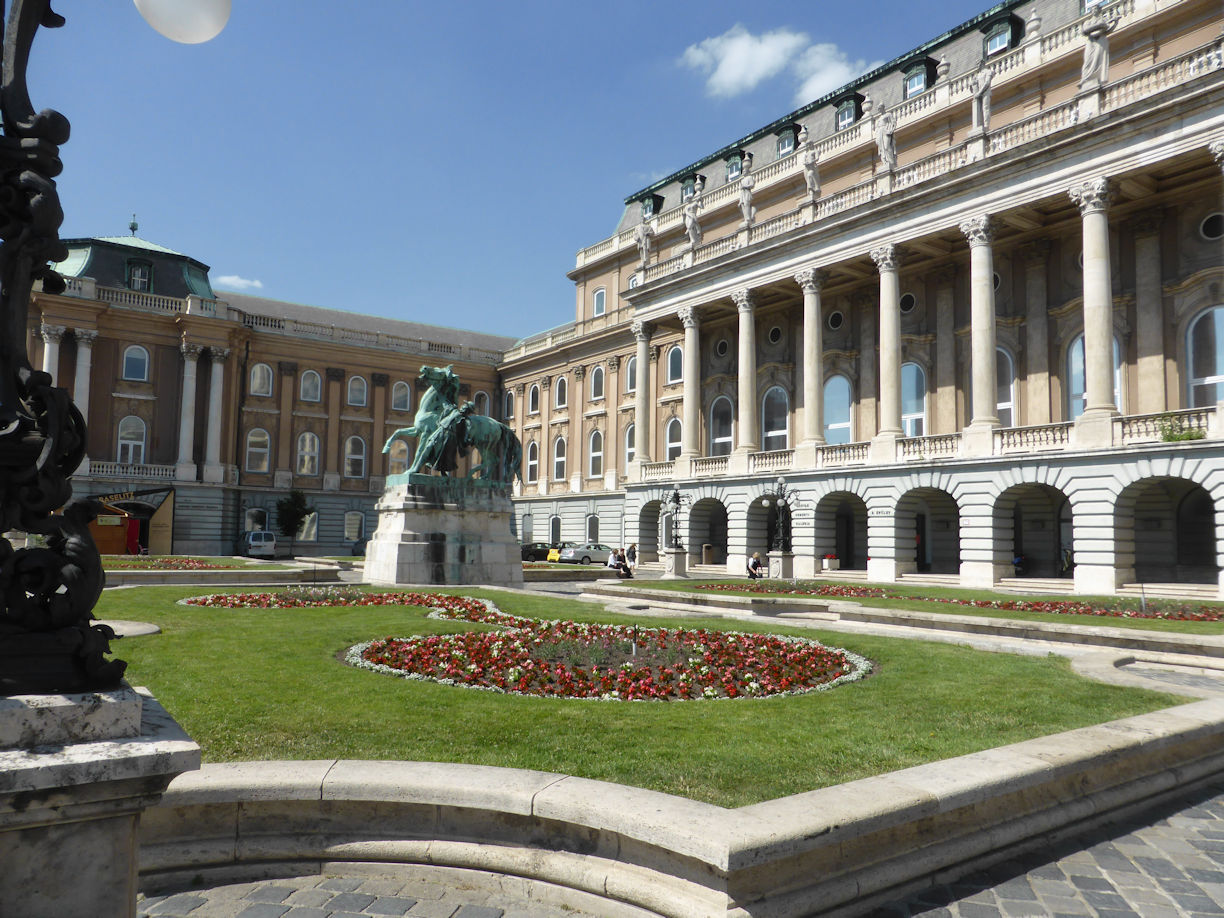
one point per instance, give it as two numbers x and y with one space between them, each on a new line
291 512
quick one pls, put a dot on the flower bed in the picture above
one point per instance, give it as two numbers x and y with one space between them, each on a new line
1115 609
309 597
147 563
568 659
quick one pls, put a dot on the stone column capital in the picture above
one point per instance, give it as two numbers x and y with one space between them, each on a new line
811 279
379 379
579 372
614 362
334 374
978 230
1092 196
191 352
655 352
286 367
688 316
641 330
1217 151
520 389
52 332
85 337
743 300
886 257
1036 252
219 354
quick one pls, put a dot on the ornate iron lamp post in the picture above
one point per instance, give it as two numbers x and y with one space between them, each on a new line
781 498
49 641
675 501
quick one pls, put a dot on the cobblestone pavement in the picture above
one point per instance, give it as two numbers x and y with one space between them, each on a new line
353 897
1163 864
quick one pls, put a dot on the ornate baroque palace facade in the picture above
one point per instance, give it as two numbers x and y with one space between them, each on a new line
221 406
969 307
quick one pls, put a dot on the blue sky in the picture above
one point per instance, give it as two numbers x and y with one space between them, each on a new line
433 162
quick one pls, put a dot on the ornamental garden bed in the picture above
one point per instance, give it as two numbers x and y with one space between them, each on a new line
168 563
567 659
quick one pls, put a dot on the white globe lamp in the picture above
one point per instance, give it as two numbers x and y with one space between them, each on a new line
186 21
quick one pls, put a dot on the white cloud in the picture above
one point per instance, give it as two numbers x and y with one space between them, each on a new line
234 282
823 68
737 61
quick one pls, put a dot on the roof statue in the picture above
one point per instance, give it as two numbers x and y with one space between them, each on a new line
446 431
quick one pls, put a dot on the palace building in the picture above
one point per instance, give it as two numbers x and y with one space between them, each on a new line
963 317
967 307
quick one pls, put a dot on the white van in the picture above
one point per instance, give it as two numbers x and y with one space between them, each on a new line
259 543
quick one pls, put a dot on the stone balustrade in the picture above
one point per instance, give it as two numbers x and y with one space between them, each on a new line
130 470
658 471
940 446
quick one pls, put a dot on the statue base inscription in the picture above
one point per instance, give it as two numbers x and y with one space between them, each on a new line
440 530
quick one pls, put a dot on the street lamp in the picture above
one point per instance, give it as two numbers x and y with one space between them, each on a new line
676 500
49 641
781 498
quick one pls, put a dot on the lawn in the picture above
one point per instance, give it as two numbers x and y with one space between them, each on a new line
934 600
267 684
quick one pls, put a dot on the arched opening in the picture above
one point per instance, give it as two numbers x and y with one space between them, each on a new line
554 530
707 525
841 529
1028 532
1165 531
648 531
928 532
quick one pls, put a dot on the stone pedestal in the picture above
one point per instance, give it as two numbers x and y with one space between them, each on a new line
675 564
436 530
75 773
781 565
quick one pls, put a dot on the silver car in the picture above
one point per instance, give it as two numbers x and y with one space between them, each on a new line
586 553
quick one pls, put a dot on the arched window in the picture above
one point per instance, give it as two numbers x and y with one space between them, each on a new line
721 426
397 458
258 450
261 379
775 420
1077 396
675 364
533 462
599 302
560 393
674 429
559 459
255 519
630 450
311 387
631 374
131 441
595 455
913 400
533 400
1205 350
136 363
597 383
592 528
1005 388
837 410
482 403
354 525
357 391
401 397
307 454
309 530
354 457
554 529
508 406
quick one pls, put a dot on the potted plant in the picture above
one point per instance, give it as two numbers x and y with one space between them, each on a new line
830 562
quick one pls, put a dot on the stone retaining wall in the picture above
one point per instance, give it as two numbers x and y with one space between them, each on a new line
828 851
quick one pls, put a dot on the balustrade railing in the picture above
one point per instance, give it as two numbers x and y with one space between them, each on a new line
1032 439
842 454
714 249
777 460
130 470
657 471
1035 127
118 296
1156 79
937 446
709 465
1169 425
664 268
774 227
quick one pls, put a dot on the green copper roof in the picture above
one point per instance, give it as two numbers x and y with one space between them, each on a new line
75 263
136 242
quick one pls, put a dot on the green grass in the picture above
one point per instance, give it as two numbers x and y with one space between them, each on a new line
267 684
947 608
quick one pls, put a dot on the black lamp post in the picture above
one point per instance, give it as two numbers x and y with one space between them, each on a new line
49 641
675 501
782 498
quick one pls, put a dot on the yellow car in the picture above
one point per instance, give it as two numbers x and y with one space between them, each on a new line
554 553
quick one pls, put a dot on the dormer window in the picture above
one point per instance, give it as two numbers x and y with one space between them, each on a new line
651 205
139 276
735 166
920 75
997 39
688 189
915 82
1002 34
849 110
786 141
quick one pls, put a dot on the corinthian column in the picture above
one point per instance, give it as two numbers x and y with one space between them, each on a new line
641 396
692 383
811 281
213 472
982 321
51 335
1093 197
84 365
749 434
885 258
185 469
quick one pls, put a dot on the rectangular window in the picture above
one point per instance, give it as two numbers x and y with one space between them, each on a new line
786 144
734 166
915 83
845 115
354 525
687 190
998 40
309 530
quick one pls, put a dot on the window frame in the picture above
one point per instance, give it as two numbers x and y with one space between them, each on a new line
394 459
1003 356
533 462
716 442
533 399
560 393
848 107
349 516
364 389
130 351
597 391
398 403
630 444
1193 382
262 373
251 450
599 301
673 445
508 406
352 457
480 397
595 454
909 75
142 269
559 457
848 423
135 449
317 380
1082 396
675 365
914 423
735 167
631 375
309 530
784 432
306 462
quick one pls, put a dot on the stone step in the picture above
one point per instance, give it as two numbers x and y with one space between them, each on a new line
1057 585
1195 592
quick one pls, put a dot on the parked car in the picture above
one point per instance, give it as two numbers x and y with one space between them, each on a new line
586 553
554 553
258 543
536 551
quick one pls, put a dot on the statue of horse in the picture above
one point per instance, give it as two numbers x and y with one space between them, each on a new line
445 432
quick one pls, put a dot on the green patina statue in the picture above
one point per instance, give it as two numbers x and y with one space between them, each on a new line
445 433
